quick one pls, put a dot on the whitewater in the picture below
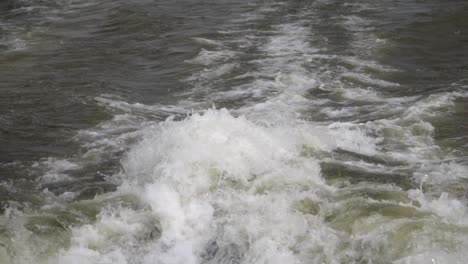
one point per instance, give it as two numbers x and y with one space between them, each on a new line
280 149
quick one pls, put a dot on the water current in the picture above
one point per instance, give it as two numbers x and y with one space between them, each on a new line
233 131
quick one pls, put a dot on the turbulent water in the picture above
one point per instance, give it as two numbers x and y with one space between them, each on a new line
233 131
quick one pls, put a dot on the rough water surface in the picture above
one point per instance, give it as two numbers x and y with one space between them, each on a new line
233 131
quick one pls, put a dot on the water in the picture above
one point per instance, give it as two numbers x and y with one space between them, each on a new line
233 131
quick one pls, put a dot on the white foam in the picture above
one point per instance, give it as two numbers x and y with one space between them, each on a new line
208 42
226 188
354 138
213 73
291 39
339 112
113 102
245 186
367 64
210 57
116 237
358 94
56 170
448 208
434 256
214 177
356 23
409 136
368 80
439 174
434 105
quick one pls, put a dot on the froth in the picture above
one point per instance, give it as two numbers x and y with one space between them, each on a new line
246 185
222 184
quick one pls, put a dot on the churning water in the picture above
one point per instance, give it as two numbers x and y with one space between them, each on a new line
233 131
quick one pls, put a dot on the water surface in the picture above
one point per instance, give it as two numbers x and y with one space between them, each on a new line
233 131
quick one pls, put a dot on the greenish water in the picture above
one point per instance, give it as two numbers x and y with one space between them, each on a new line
233 132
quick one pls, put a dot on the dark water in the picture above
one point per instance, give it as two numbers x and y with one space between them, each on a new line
233 131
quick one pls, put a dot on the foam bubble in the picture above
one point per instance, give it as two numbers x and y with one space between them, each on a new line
210 57
450 209
215 177
208 42
439 174
354 138
245 186
211 74
368 80
433 105
56 170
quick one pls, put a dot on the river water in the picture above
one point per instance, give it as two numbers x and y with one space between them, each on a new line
233 131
